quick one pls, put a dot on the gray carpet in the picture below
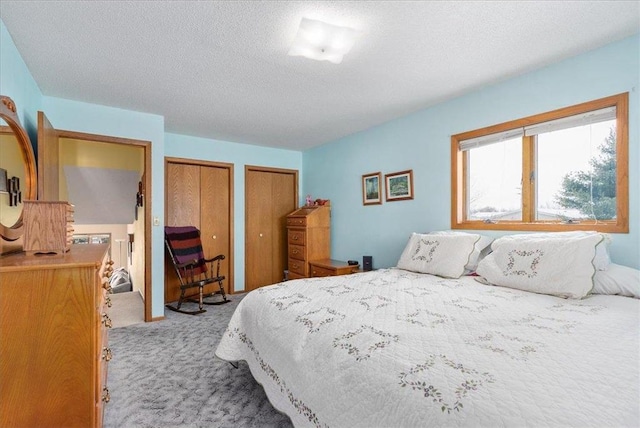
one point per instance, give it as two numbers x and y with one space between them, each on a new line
127 308
164 374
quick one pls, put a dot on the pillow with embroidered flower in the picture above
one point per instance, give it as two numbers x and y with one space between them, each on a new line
561 267
480 249
602 259
441 255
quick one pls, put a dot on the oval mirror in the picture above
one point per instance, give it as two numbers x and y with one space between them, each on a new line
17 171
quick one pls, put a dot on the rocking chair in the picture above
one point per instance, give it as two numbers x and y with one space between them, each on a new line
193 270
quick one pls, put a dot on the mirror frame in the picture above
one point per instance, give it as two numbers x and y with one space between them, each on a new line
8 113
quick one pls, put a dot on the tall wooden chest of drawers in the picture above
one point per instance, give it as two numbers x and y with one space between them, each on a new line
308 238
53 338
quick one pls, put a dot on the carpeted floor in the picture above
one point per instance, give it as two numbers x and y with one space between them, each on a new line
126 309
164 374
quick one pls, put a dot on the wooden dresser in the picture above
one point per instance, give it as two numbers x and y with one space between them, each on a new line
308 238
53 338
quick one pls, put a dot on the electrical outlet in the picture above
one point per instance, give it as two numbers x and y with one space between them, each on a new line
156 221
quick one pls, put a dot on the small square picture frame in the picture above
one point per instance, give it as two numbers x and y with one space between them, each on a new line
372 188
399 185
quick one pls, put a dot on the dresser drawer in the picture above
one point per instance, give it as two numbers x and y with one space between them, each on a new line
296 252
296 221
297 237
298 266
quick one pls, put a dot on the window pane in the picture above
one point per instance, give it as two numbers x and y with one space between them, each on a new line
80 239
576 173
495 181
100 239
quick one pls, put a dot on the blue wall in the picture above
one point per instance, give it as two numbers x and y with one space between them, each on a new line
421 142
239 155
17 83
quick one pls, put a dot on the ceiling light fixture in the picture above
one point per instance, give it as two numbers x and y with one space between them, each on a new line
323 42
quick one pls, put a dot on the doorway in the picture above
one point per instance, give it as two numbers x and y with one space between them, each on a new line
132 245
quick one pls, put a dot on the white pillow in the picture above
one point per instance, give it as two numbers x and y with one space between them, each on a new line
617 279
602 259
479 246
442 255
559 267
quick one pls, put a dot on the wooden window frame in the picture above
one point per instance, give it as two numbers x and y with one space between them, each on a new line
459 173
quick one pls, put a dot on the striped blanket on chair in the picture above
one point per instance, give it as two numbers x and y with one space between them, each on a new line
186 246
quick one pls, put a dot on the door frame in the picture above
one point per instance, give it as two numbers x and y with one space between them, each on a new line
229 166
146 146
258 168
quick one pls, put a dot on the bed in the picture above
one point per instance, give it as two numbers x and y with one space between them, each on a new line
399 348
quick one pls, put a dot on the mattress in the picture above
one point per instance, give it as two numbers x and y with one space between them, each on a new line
393 348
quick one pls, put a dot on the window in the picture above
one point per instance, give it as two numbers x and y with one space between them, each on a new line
93 238
561 170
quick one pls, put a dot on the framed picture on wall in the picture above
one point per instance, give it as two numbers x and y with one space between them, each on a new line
371 189
399 185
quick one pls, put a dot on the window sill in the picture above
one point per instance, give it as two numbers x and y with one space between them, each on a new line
601 226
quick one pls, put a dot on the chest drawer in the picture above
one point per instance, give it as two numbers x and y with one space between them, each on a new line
298 266
296 221
329 267
296 252
320 271
297 237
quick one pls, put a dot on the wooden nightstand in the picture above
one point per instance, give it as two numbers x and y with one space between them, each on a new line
329 267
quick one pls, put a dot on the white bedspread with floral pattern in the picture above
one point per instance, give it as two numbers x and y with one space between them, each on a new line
391 348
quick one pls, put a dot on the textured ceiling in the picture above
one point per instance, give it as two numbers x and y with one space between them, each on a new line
220 70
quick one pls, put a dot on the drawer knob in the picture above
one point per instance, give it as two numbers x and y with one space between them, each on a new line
106 320
106 397
108 302
295 237
295 251
107 354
